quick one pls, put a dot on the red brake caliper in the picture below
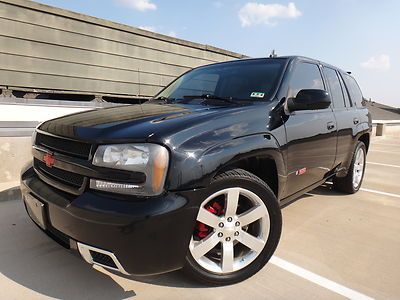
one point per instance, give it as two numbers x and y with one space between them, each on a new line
202 229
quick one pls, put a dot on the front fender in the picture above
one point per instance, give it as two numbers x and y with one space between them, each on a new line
190 171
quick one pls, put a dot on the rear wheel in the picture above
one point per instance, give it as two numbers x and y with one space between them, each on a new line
351 183
237 231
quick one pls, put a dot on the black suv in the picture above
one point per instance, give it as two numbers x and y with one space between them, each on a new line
195 177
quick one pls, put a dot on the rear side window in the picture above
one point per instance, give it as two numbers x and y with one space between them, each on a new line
335 88
354 90
305 76
345 93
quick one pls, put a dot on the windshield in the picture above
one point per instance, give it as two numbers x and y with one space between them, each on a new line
240 80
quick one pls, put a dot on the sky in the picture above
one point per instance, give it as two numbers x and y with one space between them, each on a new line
361 36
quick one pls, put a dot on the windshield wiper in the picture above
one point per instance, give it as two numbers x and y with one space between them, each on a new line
163 99
211 97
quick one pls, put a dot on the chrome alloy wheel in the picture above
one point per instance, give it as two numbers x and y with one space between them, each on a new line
358 168
236 237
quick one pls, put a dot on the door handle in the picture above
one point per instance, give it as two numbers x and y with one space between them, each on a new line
356 121
330 125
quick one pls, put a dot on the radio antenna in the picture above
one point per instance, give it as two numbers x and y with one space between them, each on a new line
273 54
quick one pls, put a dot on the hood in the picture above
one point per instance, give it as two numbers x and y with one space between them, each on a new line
155 122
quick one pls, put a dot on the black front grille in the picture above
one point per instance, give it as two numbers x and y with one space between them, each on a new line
103 259
63 146
59 175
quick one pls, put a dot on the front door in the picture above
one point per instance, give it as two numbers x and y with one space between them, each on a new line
311 134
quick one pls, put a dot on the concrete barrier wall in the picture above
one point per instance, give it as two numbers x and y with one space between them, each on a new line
15 152
46 48
390 128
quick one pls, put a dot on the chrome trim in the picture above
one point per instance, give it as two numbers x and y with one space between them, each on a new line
41 149
85 253
90 156
57 183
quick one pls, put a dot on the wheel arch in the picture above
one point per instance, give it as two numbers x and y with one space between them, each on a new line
262 167
365 138
262 158
244 152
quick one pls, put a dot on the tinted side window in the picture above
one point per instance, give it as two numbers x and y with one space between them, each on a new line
305 76
354 90
345 93
335 88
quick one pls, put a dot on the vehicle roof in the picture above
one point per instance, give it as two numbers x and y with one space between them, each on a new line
304 58
289 58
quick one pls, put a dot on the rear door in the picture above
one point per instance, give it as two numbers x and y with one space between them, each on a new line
311 134
345 114
361 119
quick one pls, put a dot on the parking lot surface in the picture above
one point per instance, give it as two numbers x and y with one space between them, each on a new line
333 246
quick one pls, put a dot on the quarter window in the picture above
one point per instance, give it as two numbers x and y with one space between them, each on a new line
334 85
305 76
354 90
345 92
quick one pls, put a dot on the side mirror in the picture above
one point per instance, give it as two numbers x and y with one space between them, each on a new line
309 99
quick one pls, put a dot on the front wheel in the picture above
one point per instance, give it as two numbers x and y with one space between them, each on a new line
237 230
351 183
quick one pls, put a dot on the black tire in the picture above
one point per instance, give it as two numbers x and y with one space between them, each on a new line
345 184
243 179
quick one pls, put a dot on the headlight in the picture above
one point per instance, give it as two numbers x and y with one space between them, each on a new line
149 159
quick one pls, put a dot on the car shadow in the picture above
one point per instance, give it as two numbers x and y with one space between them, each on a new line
176 279
10 194
326 190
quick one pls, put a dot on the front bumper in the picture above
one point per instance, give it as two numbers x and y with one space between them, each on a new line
145 235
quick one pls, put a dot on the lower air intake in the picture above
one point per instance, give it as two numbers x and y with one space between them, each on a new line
103 259
100 257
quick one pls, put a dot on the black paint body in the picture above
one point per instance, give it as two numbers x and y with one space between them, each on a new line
151 235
